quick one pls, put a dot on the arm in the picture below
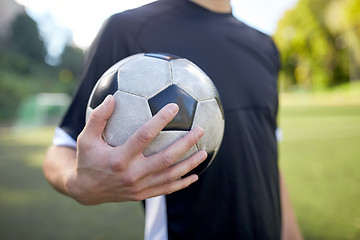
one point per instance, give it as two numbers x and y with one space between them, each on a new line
290 229
96 172
59 161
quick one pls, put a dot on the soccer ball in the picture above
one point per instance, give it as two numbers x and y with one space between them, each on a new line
144 83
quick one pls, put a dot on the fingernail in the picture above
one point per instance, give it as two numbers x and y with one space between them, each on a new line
106 101
194 178
202 155
173 108
199 132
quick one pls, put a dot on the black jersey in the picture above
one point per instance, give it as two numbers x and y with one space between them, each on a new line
237 197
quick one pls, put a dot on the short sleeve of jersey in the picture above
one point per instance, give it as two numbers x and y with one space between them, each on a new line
99 57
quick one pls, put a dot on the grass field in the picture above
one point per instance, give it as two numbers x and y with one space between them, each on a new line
319 156
31 209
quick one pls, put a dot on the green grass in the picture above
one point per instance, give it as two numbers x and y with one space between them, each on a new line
31 209
319 157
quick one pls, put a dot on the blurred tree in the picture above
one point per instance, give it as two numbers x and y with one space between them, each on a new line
315 50
343 20
72 58
25 38
23 71
71 61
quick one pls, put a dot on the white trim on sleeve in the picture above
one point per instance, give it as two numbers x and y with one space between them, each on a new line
61 138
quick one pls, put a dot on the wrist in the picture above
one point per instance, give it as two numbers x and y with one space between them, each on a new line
69 183
77 191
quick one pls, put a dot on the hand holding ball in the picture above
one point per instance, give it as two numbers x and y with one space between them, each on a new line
144 83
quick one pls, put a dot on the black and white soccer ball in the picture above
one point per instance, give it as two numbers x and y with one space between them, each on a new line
144 83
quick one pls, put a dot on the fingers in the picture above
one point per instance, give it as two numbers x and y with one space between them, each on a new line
159 169
144 135
97 121
166 189
174 152
170 180
175 172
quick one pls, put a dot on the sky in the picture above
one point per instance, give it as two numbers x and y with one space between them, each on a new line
61 21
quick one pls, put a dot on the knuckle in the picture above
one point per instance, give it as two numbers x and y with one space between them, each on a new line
145 135
170 179
167 160
118 166
128 180
95 116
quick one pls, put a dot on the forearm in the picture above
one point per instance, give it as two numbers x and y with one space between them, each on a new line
58 164
290 229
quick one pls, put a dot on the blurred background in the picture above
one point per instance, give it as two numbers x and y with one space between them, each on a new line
42 44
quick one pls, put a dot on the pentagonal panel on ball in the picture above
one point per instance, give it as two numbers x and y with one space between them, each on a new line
106 85
144 76
209 116
130 113
187 105
192 79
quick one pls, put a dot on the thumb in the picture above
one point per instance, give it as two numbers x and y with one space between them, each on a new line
97 120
